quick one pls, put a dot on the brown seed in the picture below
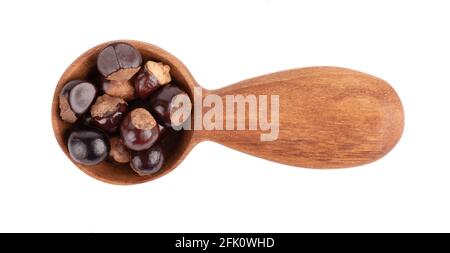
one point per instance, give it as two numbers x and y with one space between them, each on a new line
119 153
75 99
119 62
139 130
170 105
124 90
107 112
151 77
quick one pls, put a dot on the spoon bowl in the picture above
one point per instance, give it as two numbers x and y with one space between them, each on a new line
328 117
84 67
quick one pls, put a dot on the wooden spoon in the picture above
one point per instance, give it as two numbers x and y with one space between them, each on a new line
328 117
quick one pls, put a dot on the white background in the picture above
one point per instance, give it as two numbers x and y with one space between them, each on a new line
216 189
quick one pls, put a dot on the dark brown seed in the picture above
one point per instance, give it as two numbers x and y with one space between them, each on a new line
139 130
119 61
171 106
149 161
107 112
75 99
88 146
150 78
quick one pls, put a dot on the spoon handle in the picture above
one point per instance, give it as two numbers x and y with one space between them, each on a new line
328 117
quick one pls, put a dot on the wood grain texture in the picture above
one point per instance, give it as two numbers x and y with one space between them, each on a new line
329 117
